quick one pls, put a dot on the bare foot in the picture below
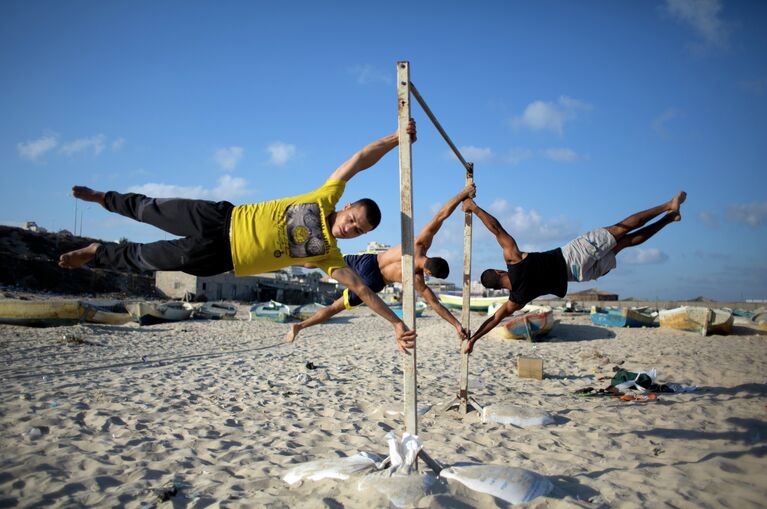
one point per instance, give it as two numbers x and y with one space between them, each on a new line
676 202
675 216
88 194
78 258
292 333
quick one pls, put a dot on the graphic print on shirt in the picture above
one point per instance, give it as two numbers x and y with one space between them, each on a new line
304 225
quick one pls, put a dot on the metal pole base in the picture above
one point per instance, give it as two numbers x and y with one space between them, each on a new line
469 404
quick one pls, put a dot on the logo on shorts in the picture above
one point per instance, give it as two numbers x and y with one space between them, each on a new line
304 224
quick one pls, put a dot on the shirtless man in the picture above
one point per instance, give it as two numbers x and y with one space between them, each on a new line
590 256
379 270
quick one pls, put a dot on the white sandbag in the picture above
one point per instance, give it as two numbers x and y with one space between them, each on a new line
522 417
402 485
514 485
332 468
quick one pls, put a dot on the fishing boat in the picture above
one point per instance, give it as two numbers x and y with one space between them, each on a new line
687 318
107 312
151 313
272 310
43 313
534 323
759 320
215 311
420 307
476 303
305 311
621 317
721 322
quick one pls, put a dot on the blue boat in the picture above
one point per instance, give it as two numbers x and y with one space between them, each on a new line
419 309
621 318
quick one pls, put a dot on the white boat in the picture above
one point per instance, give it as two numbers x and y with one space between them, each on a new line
272 310
533 323
476 303
305 311
150 313
215 311
721 322
43 313
687 318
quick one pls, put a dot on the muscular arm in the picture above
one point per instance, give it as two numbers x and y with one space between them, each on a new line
438 308
425 238
502 312
369 155
350 279
511 252
320 316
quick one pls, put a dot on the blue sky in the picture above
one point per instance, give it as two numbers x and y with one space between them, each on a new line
575 114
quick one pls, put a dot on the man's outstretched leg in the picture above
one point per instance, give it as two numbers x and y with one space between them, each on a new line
639 219
78 258
639 236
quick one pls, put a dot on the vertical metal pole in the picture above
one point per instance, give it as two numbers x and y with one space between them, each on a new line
408 242
463 391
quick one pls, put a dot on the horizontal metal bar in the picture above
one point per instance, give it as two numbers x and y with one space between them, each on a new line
436 123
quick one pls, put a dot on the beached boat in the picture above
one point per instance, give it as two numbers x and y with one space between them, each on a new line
759 320
721 322
272 310
420 307
215 311
43 313
476 303
687 318
536 322
305 311
151 313
621 317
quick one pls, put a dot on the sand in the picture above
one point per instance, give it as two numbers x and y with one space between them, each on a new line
218 411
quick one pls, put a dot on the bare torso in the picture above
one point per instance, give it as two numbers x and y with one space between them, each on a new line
390 263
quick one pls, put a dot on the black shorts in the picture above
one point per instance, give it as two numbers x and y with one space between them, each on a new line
366 267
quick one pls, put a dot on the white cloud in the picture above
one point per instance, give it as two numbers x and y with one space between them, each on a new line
562 155
517 155
94 144
753 214
34 149
228 157
708 218
118 143
529 225
659 123
280 153
703 16
366 74
498 206
540 115
637 256
228 188
476 154
756 86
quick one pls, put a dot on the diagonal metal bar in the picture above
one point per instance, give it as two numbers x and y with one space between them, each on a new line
436 123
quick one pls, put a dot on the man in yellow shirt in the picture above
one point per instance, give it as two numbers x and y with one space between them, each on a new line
250 239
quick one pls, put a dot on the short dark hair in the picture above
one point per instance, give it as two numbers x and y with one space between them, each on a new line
438 267
490 279
372 212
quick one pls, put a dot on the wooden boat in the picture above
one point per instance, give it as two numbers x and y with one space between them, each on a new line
621 317
687 318
151 313
420 307
272 310
215 311
535 323
721 322
476 303
759 320
305 311
43 313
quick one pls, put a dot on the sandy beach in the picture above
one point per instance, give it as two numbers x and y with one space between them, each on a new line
219 411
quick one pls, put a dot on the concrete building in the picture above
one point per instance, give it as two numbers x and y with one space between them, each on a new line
592 294
299 288
376 247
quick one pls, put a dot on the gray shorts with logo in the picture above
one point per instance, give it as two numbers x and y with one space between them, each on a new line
590 256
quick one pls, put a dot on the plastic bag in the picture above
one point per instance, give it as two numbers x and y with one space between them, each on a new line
518 416
335 468
514 485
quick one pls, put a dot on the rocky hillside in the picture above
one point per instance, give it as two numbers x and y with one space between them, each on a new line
28 261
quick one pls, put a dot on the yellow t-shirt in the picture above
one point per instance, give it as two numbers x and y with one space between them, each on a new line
292 231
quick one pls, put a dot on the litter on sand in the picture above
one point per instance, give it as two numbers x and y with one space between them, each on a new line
518 416
514 485
334 468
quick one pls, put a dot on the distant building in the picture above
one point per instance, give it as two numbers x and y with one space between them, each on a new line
376 247
32 226
592 294
279 286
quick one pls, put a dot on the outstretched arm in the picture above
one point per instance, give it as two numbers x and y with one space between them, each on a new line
350 279
438 308
320 316
370 155
425 238
511 252
502 312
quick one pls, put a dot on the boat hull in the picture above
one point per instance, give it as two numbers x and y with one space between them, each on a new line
687 318
272 311
475 303
620 318
152 313
43 313
530 326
